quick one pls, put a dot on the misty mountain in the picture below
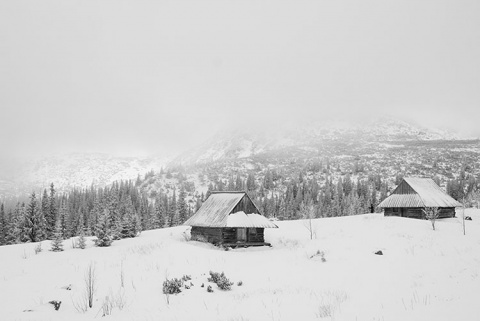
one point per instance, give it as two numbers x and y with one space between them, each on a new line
310 137
382 145
74 170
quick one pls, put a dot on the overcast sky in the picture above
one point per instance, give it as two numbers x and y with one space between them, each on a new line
159 76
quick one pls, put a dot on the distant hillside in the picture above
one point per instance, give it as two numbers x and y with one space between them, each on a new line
75 170
308 137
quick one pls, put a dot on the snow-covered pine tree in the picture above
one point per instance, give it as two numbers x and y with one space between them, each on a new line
50 222
182 206
251 184
130 223
14 228
81 225
198 204
82 242
62 216
103 231
172 211
3 225
57 242
32 220
51 218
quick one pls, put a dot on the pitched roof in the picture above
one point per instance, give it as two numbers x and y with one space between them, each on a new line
240 219
215 211
428 194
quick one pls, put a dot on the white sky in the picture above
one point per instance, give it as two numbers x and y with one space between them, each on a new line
160 76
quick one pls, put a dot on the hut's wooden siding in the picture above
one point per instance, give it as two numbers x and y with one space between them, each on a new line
217 235
229 235
404 188
417 212
445 212
208 234
246 206
255 235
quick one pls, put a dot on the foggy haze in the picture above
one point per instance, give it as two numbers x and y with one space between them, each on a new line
157 77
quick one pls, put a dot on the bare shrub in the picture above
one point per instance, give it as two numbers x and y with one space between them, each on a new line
38 248
325 311
330 303
172 286
431 213
221 280
120 299
320 254
90 279
107 306
308 214
122 275
80 303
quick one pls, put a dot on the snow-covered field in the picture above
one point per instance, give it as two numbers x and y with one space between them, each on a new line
423 275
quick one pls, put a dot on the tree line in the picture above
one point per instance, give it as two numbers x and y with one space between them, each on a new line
110 213
123 210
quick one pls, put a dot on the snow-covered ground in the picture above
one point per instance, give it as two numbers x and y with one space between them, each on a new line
423 274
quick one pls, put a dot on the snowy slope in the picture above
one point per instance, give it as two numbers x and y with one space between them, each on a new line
423 274
249 141
77 170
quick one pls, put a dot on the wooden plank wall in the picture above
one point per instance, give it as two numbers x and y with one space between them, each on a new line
255 235
217 235
416 212
206 234
246 206
404 188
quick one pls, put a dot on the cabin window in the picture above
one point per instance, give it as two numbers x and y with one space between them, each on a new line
396 210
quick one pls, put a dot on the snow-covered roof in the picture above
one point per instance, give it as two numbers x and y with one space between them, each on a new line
425 193
240 219
215 212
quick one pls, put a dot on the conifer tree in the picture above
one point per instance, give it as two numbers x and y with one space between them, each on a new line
50 222
239 184
172 211
251 184
32 222
51 217
198 204
57 242
103 231
159 214
131 222
13 228
231 184
3 225
182 206
82 242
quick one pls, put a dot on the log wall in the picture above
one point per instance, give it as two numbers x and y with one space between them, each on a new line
206 234
225 235
255 235
417 212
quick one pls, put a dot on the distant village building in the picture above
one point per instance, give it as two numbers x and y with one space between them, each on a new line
229 219
414 194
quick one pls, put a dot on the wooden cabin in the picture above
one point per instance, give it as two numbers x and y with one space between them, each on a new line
229 219
414 194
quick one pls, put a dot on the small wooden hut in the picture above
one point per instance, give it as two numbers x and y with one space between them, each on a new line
229 219
414 194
